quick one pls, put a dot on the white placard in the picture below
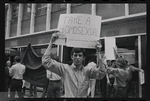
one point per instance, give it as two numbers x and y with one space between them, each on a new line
81 30
110 44
142 78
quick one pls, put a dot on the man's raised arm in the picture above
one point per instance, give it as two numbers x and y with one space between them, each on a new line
48 62
100 72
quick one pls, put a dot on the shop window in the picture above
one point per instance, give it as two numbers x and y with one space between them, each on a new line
15 10
41 51
126 48
41 9
27 11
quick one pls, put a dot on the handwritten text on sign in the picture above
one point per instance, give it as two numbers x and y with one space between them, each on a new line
80 29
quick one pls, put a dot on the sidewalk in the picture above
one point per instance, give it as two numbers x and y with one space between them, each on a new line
27 93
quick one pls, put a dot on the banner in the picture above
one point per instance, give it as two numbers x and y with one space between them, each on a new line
110 44
35 72
81 30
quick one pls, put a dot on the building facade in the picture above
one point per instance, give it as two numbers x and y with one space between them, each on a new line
35 23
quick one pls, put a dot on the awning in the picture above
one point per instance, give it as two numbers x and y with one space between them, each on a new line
9 51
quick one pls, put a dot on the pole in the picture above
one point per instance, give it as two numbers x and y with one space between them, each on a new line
139 64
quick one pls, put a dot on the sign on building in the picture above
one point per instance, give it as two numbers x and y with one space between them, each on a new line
81 30
110 44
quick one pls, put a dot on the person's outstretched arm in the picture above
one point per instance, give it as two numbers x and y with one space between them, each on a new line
48 62
136 69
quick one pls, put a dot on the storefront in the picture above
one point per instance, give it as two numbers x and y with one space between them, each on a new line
10 54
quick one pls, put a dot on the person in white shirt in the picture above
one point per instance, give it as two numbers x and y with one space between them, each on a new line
17 71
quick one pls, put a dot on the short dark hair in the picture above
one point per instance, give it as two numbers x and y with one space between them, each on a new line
78 50
17 58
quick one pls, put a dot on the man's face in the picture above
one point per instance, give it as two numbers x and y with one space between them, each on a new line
77 58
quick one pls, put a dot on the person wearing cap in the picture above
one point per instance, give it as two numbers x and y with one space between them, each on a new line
120 74
76 78
17 71
7 77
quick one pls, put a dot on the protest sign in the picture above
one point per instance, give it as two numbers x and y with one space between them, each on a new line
110 44
142 78
81 30
61 39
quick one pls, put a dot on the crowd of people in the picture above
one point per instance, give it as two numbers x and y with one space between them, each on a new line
74 78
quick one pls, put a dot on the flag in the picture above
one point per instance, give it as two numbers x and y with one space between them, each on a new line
35 72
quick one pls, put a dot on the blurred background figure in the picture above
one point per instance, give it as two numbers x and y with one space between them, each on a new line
110 80
33 91
17 71
120 74
91 90
130 70
55 83
7 78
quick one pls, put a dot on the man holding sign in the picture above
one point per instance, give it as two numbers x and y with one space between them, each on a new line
76 77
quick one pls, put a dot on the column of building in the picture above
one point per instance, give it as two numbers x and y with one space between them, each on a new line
9 17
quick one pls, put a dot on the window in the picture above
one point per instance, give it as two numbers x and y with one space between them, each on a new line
41 9
40 6
62 6
15 10
27 8
27 11
6 10
57 7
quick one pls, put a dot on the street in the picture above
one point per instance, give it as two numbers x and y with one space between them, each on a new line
27 93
